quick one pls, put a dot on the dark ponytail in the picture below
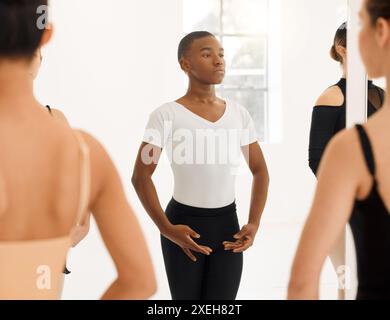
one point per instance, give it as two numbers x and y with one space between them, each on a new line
340 39
335 55
21 27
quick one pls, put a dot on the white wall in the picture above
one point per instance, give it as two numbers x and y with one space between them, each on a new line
111 63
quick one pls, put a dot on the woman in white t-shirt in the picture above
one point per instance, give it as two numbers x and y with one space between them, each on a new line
204 137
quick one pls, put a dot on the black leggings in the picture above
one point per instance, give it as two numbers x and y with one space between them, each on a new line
214 277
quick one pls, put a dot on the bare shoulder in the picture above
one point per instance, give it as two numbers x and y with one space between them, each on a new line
344 149
59 115
100 159
89 138
332 96
97 150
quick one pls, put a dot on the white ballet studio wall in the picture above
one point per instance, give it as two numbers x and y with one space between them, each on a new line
112 62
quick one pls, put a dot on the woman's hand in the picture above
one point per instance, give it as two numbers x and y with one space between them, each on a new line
244 239
182 236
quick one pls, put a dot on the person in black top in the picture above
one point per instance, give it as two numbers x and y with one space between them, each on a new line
329 114
329 118
354 173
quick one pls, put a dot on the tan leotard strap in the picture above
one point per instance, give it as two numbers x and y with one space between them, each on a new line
85 177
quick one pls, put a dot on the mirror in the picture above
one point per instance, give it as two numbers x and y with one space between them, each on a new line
120 63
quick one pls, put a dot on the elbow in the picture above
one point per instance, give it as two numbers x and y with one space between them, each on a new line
263 176
146 288
141 283
295 290
267 179
300 288
141 288
148 285
136 181
150 288
139 179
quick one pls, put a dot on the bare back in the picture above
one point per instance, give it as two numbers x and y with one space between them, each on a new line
39 176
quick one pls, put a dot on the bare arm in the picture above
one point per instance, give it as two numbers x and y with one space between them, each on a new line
330 212
119 229
258 167
145 166
256 162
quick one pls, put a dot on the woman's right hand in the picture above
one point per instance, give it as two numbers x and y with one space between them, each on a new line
182 236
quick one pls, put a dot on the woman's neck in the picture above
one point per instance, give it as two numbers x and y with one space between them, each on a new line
16 85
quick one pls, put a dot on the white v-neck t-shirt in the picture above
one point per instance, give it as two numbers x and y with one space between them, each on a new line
204 155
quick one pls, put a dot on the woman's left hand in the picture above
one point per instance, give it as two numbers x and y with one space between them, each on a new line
244 239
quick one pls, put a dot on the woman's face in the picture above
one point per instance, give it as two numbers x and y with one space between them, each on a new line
374 42
36 63
205 61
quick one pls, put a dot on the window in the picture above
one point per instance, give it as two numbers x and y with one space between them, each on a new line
242 28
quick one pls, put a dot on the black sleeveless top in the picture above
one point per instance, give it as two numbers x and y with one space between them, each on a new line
370 225
327 121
